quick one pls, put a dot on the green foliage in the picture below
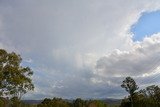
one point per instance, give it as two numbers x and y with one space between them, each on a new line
55 102
96 103
13 102
130 86
58 102
154 93
2 102
15 80
148 97
79 103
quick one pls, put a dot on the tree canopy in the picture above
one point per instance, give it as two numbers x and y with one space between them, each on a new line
130 86
15 80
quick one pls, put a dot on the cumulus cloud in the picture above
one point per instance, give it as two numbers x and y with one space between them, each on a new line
143 58
66 42
142 62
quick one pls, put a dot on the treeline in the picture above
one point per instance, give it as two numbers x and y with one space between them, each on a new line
55 102
148 97
15 81
58 102
14 102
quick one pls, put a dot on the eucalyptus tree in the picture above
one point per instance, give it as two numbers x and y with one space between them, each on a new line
130 86
15 80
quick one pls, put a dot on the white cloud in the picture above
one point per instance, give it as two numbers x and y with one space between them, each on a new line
143 58
66 38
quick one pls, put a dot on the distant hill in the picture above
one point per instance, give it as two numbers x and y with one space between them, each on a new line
106 100
32 101
111 101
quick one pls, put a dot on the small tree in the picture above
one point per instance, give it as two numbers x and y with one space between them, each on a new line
130 86
15 80
153 92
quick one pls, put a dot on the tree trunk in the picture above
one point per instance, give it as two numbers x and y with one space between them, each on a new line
131 101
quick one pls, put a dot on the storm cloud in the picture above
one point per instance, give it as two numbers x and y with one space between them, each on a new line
79 48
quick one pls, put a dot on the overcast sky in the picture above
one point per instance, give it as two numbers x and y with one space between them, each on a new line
83 48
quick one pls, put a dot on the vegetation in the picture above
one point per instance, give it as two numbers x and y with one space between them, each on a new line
15 81
130 85
148 97
55 102
58 102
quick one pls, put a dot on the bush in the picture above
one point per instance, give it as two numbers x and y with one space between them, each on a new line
2 102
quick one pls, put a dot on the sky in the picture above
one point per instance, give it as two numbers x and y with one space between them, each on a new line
147 25
83 48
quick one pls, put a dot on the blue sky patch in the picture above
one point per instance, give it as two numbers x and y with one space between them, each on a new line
147 25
